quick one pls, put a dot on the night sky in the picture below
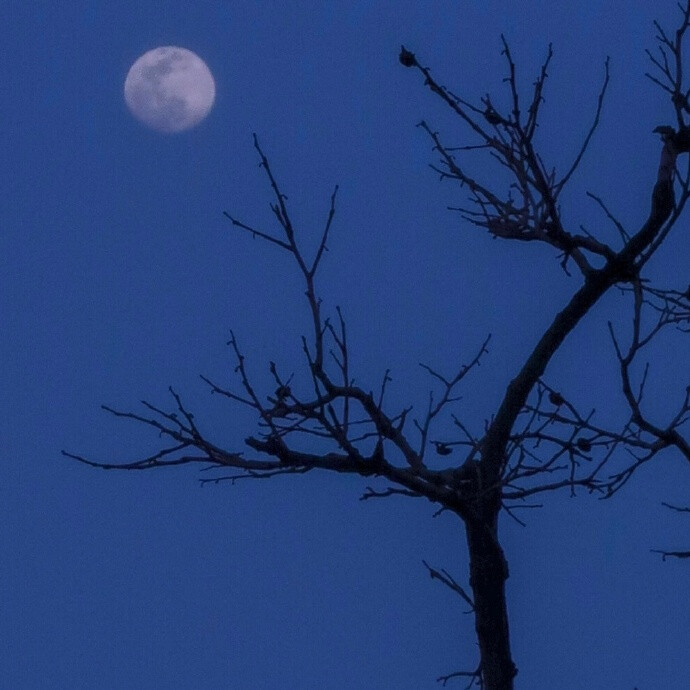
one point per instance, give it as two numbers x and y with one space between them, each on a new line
120 276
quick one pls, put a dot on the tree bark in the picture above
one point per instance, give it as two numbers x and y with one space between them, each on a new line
488 574
488 566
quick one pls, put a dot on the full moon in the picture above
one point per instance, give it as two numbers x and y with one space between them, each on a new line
170 89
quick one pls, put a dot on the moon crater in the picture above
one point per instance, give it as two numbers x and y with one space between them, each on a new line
170 89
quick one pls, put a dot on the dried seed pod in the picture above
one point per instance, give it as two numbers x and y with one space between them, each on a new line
283 392
584 444
492 117
406 57
556 398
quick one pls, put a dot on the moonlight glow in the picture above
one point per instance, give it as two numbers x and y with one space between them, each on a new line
170 89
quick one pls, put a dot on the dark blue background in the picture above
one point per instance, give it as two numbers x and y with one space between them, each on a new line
119 276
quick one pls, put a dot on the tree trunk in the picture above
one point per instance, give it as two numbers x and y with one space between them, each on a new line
488 566
488 573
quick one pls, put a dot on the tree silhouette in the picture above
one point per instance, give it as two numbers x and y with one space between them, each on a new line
536 441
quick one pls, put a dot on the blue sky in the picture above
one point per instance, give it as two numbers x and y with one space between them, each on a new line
119 276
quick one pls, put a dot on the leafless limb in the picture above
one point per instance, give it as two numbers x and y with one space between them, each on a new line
336 411
669 63
474 676
529 211
619 226
390 491
677 508
669 435
671 554
446 397
447 579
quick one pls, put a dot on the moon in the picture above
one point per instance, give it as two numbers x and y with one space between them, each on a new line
170 89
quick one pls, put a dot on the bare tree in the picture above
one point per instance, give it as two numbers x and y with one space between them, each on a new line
536 441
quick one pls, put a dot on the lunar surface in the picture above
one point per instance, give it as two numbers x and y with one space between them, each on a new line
170 89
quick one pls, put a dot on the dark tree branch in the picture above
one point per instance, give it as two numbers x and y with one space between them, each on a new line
446 578
474 676
558 187
537 217
677 508
671 554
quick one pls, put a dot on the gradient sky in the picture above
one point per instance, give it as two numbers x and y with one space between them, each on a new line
119 276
